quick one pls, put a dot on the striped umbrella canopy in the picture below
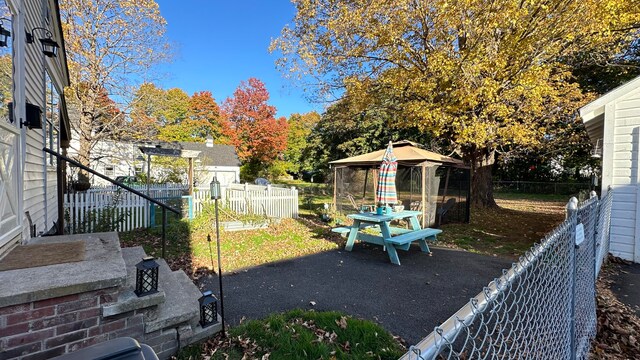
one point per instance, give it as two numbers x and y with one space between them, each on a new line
386 191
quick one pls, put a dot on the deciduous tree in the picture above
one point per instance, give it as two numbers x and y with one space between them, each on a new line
111 46
251 125
300 127
487 75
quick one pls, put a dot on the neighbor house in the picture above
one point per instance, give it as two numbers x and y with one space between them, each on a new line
59 294
613 124
115 158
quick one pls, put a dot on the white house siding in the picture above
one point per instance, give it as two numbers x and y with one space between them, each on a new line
39 180
624 176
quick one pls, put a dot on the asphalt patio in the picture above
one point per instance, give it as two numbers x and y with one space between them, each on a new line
626 285
407 300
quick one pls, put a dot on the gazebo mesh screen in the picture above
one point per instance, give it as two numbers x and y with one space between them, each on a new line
445 203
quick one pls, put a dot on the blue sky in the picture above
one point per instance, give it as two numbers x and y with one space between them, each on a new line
220 43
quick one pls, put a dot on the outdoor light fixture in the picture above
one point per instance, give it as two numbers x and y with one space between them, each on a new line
214 186
146 276
4 34
208 309
49 46
33 117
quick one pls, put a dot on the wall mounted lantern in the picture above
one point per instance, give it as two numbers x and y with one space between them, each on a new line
33 117
208 309
146 276
49 46
4 33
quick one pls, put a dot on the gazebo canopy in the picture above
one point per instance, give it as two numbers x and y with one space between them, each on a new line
407 152
425 181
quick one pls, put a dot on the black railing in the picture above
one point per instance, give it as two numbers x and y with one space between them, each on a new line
59 171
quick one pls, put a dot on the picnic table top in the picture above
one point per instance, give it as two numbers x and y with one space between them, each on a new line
373 217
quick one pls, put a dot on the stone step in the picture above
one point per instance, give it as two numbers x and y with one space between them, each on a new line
127 299
179 307
195 332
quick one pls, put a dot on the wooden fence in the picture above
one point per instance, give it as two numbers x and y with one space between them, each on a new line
108 208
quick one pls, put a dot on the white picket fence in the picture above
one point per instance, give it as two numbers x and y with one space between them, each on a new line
108 207
271 201
95 211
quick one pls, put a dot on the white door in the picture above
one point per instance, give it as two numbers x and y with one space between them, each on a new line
10 220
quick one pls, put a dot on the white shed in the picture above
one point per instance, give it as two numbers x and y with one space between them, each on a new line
613 125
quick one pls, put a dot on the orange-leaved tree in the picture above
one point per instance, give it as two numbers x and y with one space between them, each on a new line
251 125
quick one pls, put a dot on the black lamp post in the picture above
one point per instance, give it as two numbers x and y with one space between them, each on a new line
215 196
146 276
208 309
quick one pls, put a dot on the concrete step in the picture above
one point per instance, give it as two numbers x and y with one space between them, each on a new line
195 332
127 299
179 307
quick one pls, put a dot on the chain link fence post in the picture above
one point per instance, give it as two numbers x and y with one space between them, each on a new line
596 234
572 216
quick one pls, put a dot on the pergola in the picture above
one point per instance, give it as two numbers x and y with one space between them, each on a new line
171 152
411 156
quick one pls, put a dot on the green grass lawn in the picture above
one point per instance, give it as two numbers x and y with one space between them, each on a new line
188 248
299 334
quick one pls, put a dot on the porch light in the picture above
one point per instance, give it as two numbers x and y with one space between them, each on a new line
146 276
208 309
4 34
214 186
49 46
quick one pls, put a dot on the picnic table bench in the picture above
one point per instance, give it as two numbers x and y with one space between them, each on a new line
392 238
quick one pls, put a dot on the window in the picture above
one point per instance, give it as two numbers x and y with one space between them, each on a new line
109 171
52 114
6 65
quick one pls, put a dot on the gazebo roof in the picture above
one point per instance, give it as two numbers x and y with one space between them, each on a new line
407 153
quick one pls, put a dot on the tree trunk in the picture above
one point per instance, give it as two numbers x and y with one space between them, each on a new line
84 153
481 179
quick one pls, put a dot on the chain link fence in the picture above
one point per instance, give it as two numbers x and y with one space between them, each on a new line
540 187
544 307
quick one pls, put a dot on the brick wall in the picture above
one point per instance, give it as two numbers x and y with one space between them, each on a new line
48 328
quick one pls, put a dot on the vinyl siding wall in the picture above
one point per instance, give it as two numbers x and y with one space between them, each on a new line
624 176
40 196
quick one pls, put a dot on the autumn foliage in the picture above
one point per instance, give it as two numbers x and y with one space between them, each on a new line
251 126
487 76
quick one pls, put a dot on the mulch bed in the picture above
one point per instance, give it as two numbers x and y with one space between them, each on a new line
618 324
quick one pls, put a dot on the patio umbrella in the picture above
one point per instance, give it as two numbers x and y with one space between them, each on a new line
386 191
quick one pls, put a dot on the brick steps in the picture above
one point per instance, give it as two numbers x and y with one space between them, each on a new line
172 313
70 306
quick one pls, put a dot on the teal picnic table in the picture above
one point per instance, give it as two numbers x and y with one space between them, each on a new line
392 238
